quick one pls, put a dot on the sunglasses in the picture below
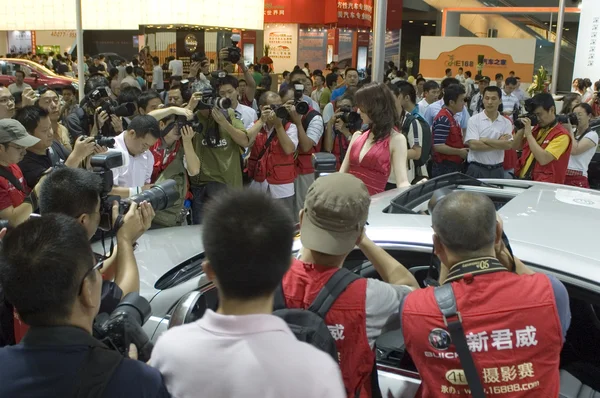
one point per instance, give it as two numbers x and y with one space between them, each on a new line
98 267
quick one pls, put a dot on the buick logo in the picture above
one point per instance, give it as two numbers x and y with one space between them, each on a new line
439 339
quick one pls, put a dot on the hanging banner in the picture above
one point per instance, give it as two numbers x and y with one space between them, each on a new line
283 46
312 48
355 13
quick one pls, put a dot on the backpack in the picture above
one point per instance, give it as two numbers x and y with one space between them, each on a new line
308 325
425 141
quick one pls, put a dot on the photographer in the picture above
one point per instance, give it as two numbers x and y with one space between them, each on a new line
50 101
339 132
228 86
148 101
174 158
135 143
546 147
585 142
49 273
219 142
515 320
48 152
271 162
17 201
310 130
247 90
199 69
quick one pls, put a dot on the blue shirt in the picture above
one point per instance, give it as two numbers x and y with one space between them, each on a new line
48 360
461 117
338 92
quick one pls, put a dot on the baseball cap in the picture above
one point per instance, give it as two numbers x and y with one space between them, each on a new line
335 211
13 131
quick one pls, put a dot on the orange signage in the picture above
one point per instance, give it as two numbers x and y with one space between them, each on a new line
475 58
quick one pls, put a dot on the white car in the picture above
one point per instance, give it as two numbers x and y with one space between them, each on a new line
552 228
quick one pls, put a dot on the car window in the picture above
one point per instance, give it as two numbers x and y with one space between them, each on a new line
9 68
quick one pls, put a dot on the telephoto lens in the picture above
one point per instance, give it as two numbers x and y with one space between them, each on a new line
161 197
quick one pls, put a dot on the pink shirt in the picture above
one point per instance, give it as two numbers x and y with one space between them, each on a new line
250 356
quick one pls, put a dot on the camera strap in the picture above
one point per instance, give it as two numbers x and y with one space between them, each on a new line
444 297
4 172
267 145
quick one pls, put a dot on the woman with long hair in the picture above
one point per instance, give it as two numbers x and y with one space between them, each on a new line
372 154
570 101
585 142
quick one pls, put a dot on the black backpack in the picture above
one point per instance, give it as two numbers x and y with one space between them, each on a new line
309 324
425 141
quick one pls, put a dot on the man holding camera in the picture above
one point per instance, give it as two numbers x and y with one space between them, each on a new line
546 147
49 273
17 201
513 321
489 134
271 164
228 88
310 130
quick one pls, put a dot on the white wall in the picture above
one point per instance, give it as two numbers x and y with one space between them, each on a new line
130 14
587 57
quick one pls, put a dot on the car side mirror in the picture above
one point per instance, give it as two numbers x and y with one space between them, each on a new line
185 309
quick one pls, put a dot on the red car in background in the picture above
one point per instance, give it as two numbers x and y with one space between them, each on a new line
36 75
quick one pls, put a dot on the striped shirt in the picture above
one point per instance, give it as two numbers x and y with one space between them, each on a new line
510 102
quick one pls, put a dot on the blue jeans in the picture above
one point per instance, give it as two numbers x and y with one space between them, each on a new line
202 195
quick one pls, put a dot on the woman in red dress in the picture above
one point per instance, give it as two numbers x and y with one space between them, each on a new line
373 153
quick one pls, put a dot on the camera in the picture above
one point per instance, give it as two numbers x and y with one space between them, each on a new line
209 100
101 140
161 196
301 106
529 108
351 118
233 53
124 110
324 163
99 93
124 326
197 57
570 118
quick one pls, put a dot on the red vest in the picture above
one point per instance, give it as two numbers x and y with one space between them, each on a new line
554 171
160 161
347 320
275 166
14 197
304 159
454 140
512 328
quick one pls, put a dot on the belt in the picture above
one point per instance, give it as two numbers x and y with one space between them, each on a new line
488 166
574 172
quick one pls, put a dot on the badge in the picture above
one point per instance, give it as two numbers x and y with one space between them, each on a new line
439 339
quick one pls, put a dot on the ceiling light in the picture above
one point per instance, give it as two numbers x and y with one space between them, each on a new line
426 23
432 24
567 29
411 21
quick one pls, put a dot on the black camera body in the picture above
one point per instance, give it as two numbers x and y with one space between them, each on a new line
529 108
301 106
210 100
124 110
234 54
99 93
351 118
570 118
124 326
161 196
101 140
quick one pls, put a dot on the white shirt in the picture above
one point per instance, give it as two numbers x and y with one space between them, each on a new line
328 112
460 78
280 191
158 82
582 161
469 86
315 129
251 356
510 101
316 96
176 67
13 88
137 172
481 126
246 114
423 105
130 81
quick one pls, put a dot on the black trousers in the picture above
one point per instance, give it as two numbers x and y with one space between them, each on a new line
446 167
478 170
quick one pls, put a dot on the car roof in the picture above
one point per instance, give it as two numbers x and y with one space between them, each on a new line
47 71
551 225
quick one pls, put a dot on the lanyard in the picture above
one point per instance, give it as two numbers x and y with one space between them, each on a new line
476 266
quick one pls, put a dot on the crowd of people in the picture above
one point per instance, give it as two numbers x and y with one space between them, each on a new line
240 152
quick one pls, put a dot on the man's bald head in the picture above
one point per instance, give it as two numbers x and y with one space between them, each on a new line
268 98
465 222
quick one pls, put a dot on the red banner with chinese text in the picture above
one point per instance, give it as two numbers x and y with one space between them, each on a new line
355 13
350 13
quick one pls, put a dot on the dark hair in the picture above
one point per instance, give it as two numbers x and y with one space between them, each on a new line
419 80
143 125
129 70
254 266
448 82
568 102
155 60
378 102
229 79
114 72
511 81
448 70
430 85
42 264
70 191
95 82
69 88
544 100
465 222
597 86
129 94
586 107
30 116
495 89
460 68
296 73
265 68
319 76
452 92
21 72
499 76
351 70
512 72
175 78
587 82
318 72
145 98
468 73
331 79
405 89
580 84
285 73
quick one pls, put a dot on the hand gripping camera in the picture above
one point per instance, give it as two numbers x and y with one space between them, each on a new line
233 53
301 106
529 108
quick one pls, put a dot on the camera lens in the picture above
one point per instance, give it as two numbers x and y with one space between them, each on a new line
302 107
281 112
105 141
223 103
161 196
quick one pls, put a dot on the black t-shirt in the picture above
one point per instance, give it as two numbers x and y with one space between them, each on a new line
96 69
33 165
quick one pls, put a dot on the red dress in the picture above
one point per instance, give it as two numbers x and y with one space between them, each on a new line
375 168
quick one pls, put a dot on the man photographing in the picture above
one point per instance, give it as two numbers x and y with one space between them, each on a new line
48 271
